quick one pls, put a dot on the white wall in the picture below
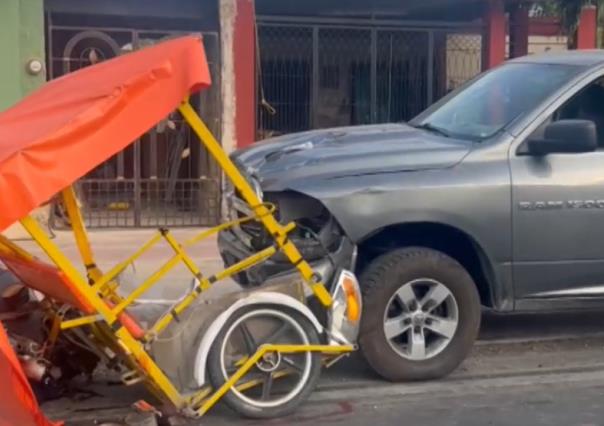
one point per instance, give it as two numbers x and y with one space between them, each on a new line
542 44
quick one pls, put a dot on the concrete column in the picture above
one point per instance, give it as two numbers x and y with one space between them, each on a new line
21 44
587 28
238 46
519 31
22 41
494 34
245 72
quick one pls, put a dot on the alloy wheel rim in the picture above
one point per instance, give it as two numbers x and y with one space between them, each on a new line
421 319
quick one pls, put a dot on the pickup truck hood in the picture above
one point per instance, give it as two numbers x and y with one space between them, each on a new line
348 151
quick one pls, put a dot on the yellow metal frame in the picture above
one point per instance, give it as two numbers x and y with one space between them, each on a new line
99 290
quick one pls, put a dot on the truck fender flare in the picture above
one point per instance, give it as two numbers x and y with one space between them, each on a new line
260 298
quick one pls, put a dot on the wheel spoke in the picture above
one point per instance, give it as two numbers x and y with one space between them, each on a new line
435 296
276 335
267 386
444 326
287 360
394 327
407 296
259 389
248 339
418 344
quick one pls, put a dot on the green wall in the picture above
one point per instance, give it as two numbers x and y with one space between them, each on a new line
21 39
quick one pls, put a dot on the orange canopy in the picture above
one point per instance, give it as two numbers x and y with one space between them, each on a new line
72 124
18 404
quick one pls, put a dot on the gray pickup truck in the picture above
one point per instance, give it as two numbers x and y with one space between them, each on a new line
494 196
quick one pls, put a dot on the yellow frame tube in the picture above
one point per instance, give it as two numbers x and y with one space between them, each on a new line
9 247
64 264
250 197
291 349
100 285
253 383
166 319
179 250
93 272
78 322
119 268
198 397
148 366
216 229
79 231
147 284
125 340
53 334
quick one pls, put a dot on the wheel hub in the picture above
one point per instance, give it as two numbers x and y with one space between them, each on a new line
269 362
418 318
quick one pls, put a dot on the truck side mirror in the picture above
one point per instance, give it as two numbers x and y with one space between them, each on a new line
565 136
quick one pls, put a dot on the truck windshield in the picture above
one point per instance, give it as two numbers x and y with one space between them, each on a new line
493 101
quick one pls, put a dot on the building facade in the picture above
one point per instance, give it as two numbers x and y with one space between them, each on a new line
277 67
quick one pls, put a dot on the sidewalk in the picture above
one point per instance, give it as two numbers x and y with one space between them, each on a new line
110 246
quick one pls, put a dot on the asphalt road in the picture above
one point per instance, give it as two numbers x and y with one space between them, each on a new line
525 370
563 401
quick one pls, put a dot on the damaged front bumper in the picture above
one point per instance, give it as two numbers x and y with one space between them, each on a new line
233 248
318 237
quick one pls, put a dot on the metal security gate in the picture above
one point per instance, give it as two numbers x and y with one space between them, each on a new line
166 178
318 75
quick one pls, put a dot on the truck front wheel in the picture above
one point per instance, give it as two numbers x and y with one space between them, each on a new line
421 314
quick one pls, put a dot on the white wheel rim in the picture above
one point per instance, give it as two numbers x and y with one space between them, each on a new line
304 376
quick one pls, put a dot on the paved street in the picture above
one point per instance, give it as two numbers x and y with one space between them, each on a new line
525 370
434 144
529 382
113 246
493 402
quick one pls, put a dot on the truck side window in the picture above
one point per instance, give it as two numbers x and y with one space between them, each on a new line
588 104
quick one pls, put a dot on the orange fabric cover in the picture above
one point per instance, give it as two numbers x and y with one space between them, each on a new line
46 279
18 405
72 124
53 283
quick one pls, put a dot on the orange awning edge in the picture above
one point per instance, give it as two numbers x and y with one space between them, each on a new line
72 124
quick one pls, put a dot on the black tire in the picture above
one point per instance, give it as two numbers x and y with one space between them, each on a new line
381 280
244 408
